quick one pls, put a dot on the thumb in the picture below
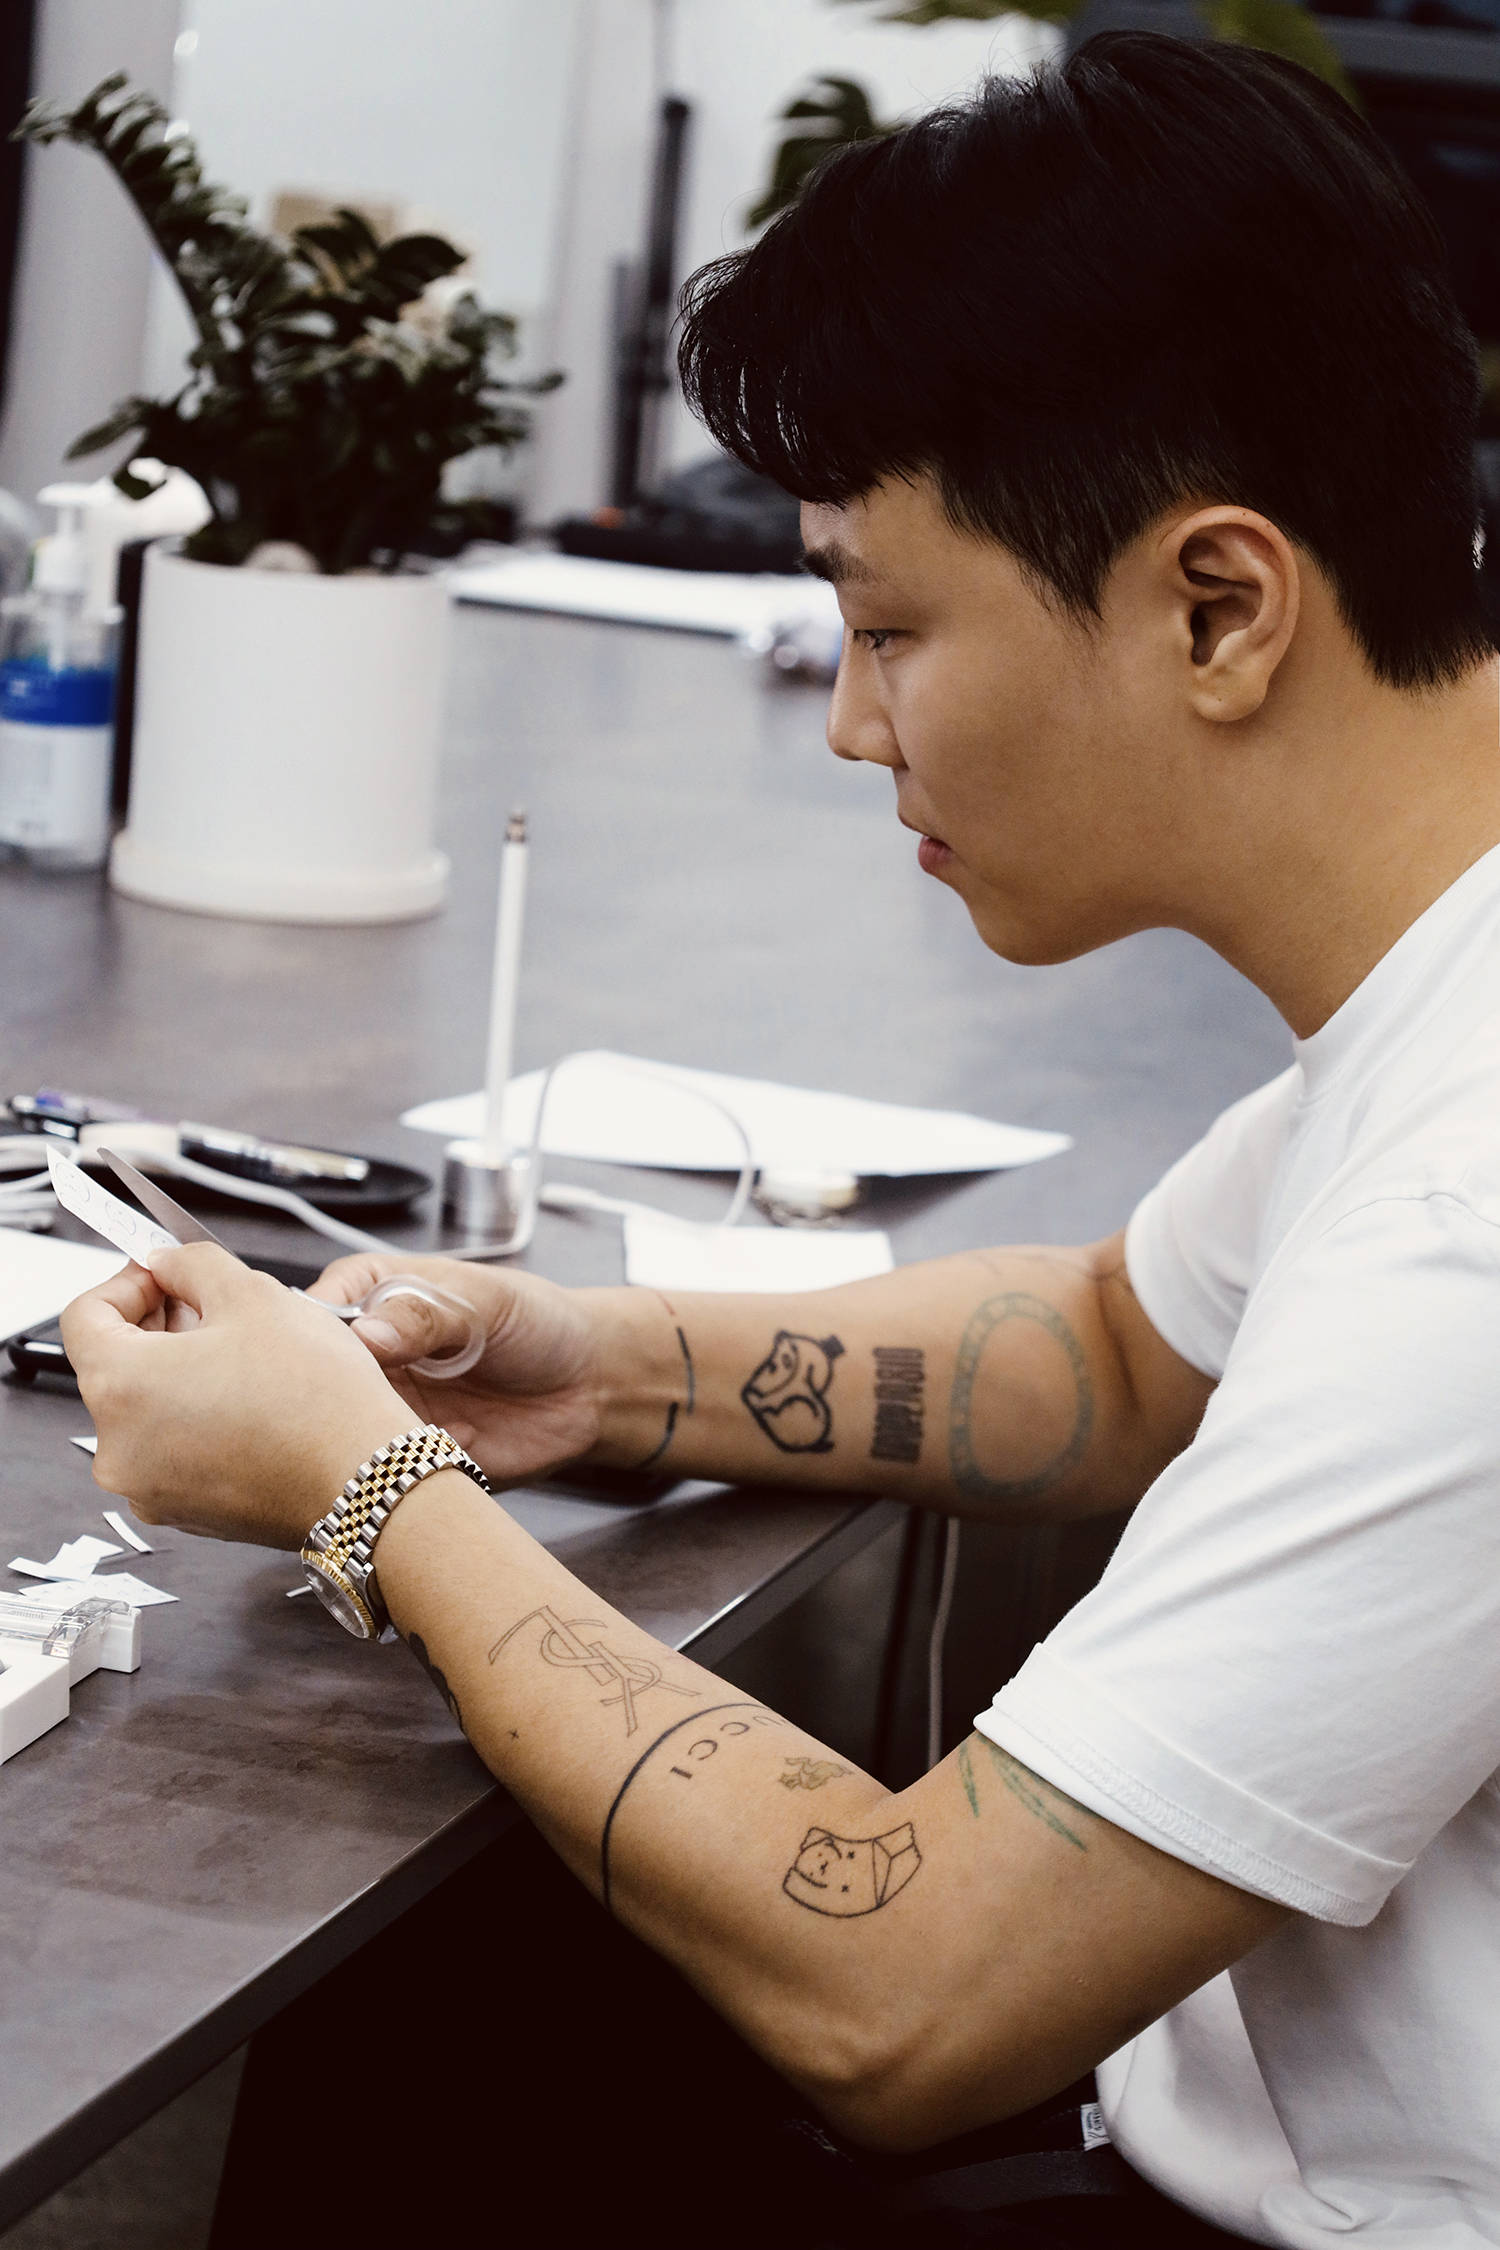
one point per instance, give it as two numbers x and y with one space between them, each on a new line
203 1275
408 1321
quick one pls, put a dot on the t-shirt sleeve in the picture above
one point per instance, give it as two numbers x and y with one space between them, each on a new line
1289 1674
1191 1245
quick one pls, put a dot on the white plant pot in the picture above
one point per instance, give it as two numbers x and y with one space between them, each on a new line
284 760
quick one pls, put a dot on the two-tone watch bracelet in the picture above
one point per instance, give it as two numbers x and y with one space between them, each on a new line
338 1553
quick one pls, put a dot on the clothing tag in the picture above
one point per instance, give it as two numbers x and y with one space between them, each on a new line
128 1230
1095 2131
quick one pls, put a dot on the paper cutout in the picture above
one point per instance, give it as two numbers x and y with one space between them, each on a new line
127 1230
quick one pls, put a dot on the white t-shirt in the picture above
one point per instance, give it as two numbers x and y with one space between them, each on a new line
1290 1672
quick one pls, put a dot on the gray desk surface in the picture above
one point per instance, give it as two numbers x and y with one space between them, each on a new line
203 1839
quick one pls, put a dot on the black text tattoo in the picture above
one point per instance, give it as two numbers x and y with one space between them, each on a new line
848 1875
418 1648
1041 1800
809 1773
711 1732
788 1393
969 1477
562 1644
900 1373
678 1405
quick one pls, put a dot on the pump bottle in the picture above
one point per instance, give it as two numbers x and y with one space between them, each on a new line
57 686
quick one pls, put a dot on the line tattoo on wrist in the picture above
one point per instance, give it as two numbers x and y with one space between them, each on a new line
689 1757
851 1875
1041 1800
562 1644
900 1376
677 1406
418 1647
787 1396
969 1477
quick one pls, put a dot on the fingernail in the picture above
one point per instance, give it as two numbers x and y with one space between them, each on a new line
379 1335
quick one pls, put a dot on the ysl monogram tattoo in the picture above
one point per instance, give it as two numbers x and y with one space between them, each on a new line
971 1479
1041 1800
850 1875
788 1394
562 1644
900 1373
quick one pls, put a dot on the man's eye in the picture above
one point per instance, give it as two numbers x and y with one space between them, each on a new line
874 638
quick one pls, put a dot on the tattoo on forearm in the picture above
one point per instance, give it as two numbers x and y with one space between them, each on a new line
1050 1806
689 1757
788 1393
809 1773
900 1374
848 1875
418 1647
969 1477
678 1406
562 1644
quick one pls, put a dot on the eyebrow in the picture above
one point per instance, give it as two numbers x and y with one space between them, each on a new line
837 565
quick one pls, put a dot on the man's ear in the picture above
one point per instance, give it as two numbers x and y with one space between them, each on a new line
1237 588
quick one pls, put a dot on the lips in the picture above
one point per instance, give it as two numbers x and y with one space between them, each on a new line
933 855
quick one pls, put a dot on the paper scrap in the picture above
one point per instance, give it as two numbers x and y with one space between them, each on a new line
618 1109
85 1444
668 1253
76 1558
128 1230
39 1276
116 1585
124 1530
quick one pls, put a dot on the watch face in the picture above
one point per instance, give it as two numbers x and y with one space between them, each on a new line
338 1596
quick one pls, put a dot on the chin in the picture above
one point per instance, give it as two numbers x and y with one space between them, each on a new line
1036 942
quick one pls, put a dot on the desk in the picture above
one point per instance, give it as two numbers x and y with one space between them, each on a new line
203 1840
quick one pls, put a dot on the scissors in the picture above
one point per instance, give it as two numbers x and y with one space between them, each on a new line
186 1228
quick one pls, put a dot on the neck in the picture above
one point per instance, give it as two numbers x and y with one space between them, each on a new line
1349 817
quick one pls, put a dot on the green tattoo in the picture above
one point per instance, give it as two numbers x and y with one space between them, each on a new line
969 1478
1039 1797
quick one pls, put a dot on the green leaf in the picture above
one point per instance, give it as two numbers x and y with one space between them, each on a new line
127 416
843 111
1280 27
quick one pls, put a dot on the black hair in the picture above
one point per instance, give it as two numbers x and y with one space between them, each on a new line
1162 271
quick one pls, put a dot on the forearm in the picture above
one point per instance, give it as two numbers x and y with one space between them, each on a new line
989 1383
679 1800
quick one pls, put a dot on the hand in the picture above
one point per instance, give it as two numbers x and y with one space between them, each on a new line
532 1399
242 1426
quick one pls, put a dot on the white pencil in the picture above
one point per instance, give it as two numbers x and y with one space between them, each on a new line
509 920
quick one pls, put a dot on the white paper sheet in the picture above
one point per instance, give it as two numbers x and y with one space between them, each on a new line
126 1531
75 1558
668 1253
617 1109
128 1230
85 1444
738 606
39 1276
116 1585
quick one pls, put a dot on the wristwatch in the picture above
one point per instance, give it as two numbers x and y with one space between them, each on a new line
338 1553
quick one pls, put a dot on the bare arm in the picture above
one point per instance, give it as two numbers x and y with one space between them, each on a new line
916 1963
1005 1382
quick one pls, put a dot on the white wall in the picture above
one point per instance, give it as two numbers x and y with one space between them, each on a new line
81 282
453 108
738 62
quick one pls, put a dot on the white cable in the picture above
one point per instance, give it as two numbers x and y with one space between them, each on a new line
948 1579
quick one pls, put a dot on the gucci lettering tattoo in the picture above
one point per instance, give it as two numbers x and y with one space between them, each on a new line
562 1644
900 1373
787 1396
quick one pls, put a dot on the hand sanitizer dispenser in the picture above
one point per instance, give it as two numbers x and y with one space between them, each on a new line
57 689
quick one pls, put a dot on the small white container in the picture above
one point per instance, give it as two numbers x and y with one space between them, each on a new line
285 751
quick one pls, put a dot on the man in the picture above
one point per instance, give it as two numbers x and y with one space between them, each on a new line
1132 415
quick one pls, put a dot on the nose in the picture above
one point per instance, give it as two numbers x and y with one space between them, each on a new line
858 728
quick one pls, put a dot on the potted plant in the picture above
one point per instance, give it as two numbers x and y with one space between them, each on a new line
291 672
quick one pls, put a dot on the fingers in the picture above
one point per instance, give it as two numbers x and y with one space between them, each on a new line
92 1322
205 1276
348 1281
400 1328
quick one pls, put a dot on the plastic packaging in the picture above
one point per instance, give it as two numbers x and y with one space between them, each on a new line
57 687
